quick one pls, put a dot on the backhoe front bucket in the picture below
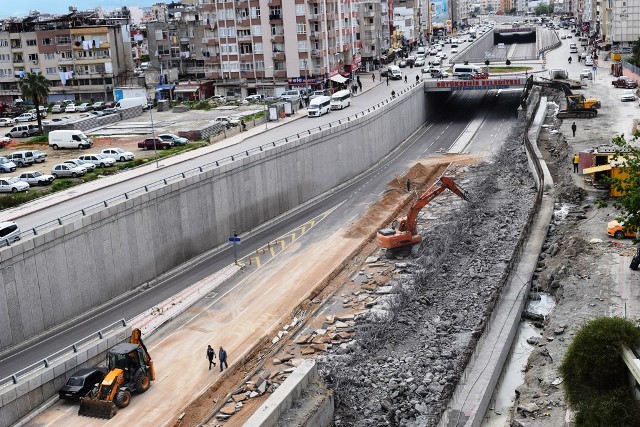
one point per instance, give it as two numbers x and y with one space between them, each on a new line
97 408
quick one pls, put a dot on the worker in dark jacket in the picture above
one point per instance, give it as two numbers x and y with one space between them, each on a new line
211 354
222 355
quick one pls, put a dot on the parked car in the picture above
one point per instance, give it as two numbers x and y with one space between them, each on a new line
98 160
4 140
9 232
155 144
57 108
7 165
628 95
96 113
222 99
12 185
588 61
118 154
177 140
616 229
402 64
622 82
97 106
36 178
81 383
26 157
70 108
85 106
43 112
419 62
40 156
7 121
67 170
439 74
89 167
227 121
110 110
25 117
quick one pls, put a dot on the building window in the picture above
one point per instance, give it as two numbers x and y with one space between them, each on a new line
300 9
257 47
5 57
63 40
65 55
302 45
256 30
163 50
47 42
303 64
302 28
33 57
49 56
52 70
161 35
4 42
255 12
259 65
32 42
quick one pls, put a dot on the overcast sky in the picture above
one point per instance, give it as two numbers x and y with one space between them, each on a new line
22 7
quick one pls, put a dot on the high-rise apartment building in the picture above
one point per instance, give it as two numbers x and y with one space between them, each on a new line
82 54
265 46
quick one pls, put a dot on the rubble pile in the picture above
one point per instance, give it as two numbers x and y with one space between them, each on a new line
411 348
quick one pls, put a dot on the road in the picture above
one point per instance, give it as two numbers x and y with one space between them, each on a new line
233 316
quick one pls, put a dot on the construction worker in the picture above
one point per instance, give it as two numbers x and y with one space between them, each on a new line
576 162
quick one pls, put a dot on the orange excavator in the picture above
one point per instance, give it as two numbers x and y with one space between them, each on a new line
405 231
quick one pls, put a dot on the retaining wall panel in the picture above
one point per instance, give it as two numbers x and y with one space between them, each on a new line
5 321
27 296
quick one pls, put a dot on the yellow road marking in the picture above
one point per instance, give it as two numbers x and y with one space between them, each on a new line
293 237
258 263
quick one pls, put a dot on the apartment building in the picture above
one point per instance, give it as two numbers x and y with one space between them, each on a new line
81 58
624 22
373 17
266 46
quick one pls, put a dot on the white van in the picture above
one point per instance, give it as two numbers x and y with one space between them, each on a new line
132 102
341 99
422 50
394 72
573 48
465 69
319 106
9 233
68 139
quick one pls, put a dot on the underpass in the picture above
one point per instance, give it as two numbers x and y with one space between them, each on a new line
235 321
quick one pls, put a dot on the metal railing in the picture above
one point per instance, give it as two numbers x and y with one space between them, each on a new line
96 207
16 377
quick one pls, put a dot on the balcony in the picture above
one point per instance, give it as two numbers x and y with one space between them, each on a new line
244 38
242 19
185 40
316 53
279 38
246 56
314 35
369 13
280 74
279 56
275 17
314 17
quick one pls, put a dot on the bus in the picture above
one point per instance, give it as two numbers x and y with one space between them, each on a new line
340 100
319 106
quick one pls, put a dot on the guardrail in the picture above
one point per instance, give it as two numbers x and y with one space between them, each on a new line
34 231
16 377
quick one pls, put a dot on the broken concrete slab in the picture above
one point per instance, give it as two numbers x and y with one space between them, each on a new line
307 350
228 409
239 397
302 339
345 317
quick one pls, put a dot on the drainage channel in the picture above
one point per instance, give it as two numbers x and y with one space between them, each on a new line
512 375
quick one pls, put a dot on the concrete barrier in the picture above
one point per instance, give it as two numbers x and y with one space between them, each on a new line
281 399
133 242
96 122
18 400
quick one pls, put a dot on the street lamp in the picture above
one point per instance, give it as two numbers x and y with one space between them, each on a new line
153 134
266 109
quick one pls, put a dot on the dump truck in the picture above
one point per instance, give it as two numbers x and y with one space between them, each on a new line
130 369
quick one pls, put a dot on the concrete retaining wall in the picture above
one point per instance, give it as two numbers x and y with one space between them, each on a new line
16 401
97 122
475 52
51 278
281 399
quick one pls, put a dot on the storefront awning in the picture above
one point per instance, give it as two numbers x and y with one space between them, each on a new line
594 169
185 89
338 79
164 87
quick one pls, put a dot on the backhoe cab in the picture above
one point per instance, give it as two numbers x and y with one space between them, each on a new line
130 369
404 231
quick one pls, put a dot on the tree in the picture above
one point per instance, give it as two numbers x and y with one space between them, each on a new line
628 182
635 53
543 9
35 86
595 376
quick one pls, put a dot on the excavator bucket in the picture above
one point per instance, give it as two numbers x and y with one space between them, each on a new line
91 407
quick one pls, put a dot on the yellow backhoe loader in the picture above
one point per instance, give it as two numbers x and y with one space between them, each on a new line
130 370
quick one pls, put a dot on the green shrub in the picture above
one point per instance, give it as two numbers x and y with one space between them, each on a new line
63 184
39 139
12 200
596 377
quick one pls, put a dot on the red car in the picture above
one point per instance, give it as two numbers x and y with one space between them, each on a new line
480 76
155 143
625 82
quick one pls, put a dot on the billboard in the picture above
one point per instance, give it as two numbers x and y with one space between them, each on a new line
439 13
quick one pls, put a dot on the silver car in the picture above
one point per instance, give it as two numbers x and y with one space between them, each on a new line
67 170
9 232
12 185
90 167
7 165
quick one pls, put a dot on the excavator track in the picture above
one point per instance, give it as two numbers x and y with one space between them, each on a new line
581 113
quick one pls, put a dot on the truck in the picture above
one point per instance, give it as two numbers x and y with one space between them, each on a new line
132 102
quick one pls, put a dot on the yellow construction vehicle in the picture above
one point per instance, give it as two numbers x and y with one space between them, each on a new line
578 106
130 369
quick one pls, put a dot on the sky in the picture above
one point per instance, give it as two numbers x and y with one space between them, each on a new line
22 7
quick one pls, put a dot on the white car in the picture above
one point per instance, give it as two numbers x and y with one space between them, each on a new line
70 108
25 117
89 167
57 108
441 55
454 50
586 74
419 62
588 61
36 178
85 106
223 99
98 160
6 121
67 170
628 95
12 185
436 61
118 154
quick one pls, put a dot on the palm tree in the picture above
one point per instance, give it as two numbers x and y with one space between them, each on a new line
35 86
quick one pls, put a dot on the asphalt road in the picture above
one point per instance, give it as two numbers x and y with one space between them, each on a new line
437 136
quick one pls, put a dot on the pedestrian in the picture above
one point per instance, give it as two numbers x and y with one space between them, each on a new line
417 79
574 128
373 77
408 185
393 93
405 78
576 162
387 80
222 355
359 84
211 354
